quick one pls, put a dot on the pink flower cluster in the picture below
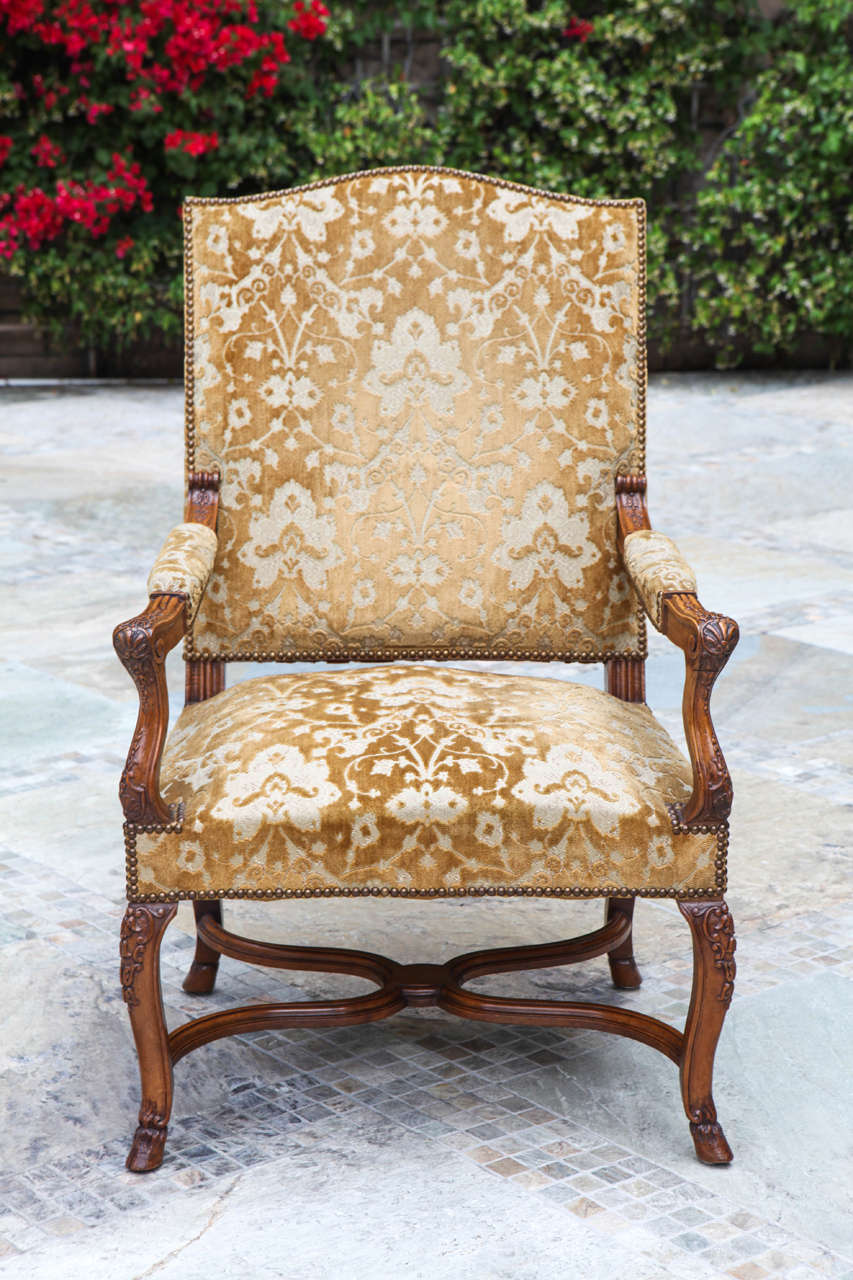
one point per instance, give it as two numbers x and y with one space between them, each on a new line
309 22
47 153
137 54
195 144
35 218
167 45
578 29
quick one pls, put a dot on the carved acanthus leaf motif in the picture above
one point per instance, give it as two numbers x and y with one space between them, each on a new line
719 929
631 504
202 503
137 930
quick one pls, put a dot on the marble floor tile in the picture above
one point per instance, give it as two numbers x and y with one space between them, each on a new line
424 1146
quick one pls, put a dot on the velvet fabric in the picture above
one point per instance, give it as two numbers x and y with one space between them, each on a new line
420 779
184 563
656 568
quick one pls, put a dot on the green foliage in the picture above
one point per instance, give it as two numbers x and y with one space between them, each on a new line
738 132
770 244
113 269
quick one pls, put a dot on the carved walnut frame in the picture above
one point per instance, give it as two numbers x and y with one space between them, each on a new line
707 640
142 645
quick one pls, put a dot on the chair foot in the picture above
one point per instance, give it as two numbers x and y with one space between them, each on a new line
623 968
201 978
146 1152
709 1139
625 974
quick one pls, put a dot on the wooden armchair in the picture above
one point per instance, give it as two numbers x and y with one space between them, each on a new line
415 431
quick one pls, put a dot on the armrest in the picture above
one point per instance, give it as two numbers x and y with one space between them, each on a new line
175 585
667 587
657 569
184 564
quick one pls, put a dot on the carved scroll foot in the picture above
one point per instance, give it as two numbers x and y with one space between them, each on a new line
142 931
713 984
709 1139
201 978
146 1152
623 968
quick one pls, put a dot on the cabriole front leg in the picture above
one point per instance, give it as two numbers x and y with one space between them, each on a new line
713 984
141 934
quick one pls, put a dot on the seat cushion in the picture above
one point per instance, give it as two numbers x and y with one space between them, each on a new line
420 780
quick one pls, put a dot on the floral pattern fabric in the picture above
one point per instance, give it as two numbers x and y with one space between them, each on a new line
184 563
418 386
420 779
657 568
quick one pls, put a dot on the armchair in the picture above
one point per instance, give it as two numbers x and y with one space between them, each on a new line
415 427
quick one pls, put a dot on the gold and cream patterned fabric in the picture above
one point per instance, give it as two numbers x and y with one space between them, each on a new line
657 568
184 563
420 780
418 386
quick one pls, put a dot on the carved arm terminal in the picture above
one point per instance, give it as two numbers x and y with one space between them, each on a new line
667 587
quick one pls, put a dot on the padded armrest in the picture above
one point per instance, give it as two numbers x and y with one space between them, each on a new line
184 564
657 569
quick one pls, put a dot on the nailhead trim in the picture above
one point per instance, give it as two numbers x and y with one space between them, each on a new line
441 654
642 362
475 891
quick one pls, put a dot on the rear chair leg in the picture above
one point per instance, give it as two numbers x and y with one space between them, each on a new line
623 969
142 931
202 975
713 983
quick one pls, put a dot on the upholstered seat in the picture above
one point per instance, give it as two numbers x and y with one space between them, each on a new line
415 433
421 780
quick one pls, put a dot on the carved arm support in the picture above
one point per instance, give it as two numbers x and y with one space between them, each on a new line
707 640
175 587
667 587
142 645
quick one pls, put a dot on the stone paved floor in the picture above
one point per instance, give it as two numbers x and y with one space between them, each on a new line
424 1146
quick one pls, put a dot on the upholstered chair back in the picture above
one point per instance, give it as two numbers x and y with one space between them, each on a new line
418 387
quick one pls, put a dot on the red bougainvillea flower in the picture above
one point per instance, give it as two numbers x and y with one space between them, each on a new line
21 14
142 99
46 152
578 29
124 246
95 109
36 218
308 22
195 144
5 147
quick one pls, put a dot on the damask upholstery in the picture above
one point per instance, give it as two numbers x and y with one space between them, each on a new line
656 567
418 387
420 780
184 563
